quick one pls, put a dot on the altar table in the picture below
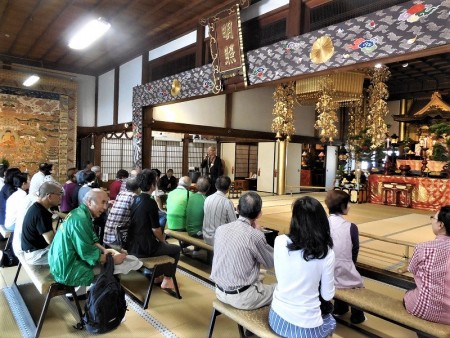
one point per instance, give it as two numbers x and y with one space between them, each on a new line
417 164
428 193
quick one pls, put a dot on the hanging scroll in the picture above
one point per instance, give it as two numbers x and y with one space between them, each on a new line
226 45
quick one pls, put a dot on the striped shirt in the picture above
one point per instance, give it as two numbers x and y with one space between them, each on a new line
119 215
239 250
218 210
430 266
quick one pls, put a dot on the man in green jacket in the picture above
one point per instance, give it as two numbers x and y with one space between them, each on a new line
176 205
194 210
75 249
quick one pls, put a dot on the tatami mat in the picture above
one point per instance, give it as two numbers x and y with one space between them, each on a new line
190 316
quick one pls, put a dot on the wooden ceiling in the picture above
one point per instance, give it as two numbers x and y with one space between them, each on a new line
36 32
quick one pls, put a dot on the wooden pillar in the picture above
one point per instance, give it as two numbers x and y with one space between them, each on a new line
402 125
228 110
200 46
294 18
185 163
97 149
281 178
147 138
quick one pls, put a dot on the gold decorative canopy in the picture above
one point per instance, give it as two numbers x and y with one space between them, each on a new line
347 86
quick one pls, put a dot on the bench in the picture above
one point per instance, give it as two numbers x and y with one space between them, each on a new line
256 321
183 236
134 281
391 309
46 285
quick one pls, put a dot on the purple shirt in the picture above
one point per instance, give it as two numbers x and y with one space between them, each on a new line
67 203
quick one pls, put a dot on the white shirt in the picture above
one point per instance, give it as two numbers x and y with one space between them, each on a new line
13 205
296 296
36 182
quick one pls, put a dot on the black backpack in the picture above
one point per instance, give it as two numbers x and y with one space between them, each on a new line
105 306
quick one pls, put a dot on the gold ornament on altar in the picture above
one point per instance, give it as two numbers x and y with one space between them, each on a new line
283 110
176 88
378 108
326 108
322 50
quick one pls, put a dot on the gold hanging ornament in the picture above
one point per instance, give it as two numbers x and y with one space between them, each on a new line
283 110
326 108
378 109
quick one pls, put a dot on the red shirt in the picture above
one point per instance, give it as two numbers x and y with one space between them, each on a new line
114 189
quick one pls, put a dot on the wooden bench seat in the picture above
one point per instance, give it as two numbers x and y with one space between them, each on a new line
46 285
390 309
256 321
183 236
134 282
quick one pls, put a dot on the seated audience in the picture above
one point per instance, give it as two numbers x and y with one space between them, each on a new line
87 167
145 236
168 182
194 210
3 168
430 265
87 183
45 169
240 248
75 249
37 226
345 237
218 209
120 212
119 184
158 196
15 202
67 202
7 190
177 204
17 238
304 267
98 176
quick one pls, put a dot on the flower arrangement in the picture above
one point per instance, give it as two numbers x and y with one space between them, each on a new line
441 148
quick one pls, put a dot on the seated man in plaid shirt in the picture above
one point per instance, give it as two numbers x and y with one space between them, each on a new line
119 215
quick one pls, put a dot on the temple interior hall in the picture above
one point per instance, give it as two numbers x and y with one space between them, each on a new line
297 97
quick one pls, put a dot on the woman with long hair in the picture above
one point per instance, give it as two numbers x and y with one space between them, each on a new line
304 267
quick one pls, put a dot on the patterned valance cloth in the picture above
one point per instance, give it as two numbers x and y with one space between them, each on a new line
397 30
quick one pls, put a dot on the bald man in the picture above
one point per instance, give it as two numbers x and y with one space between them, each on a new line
177 203
75 249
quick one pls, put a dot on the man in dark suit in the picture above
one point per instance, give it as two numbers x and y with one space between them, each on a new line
213 167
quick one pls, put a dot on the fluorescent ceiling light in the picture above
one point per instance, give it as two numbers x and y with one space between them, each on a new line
31 80
92 31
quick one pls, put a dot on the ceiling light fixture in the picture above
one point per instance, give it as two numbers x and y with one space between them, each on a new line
378 65
31 80
89 33
406 64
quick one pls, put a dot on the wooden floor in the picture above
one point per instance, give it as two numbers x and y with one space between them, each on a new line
189 317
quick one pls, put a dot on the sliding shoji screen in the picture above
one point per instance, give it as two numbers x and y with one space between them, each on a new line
117 153
167 155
